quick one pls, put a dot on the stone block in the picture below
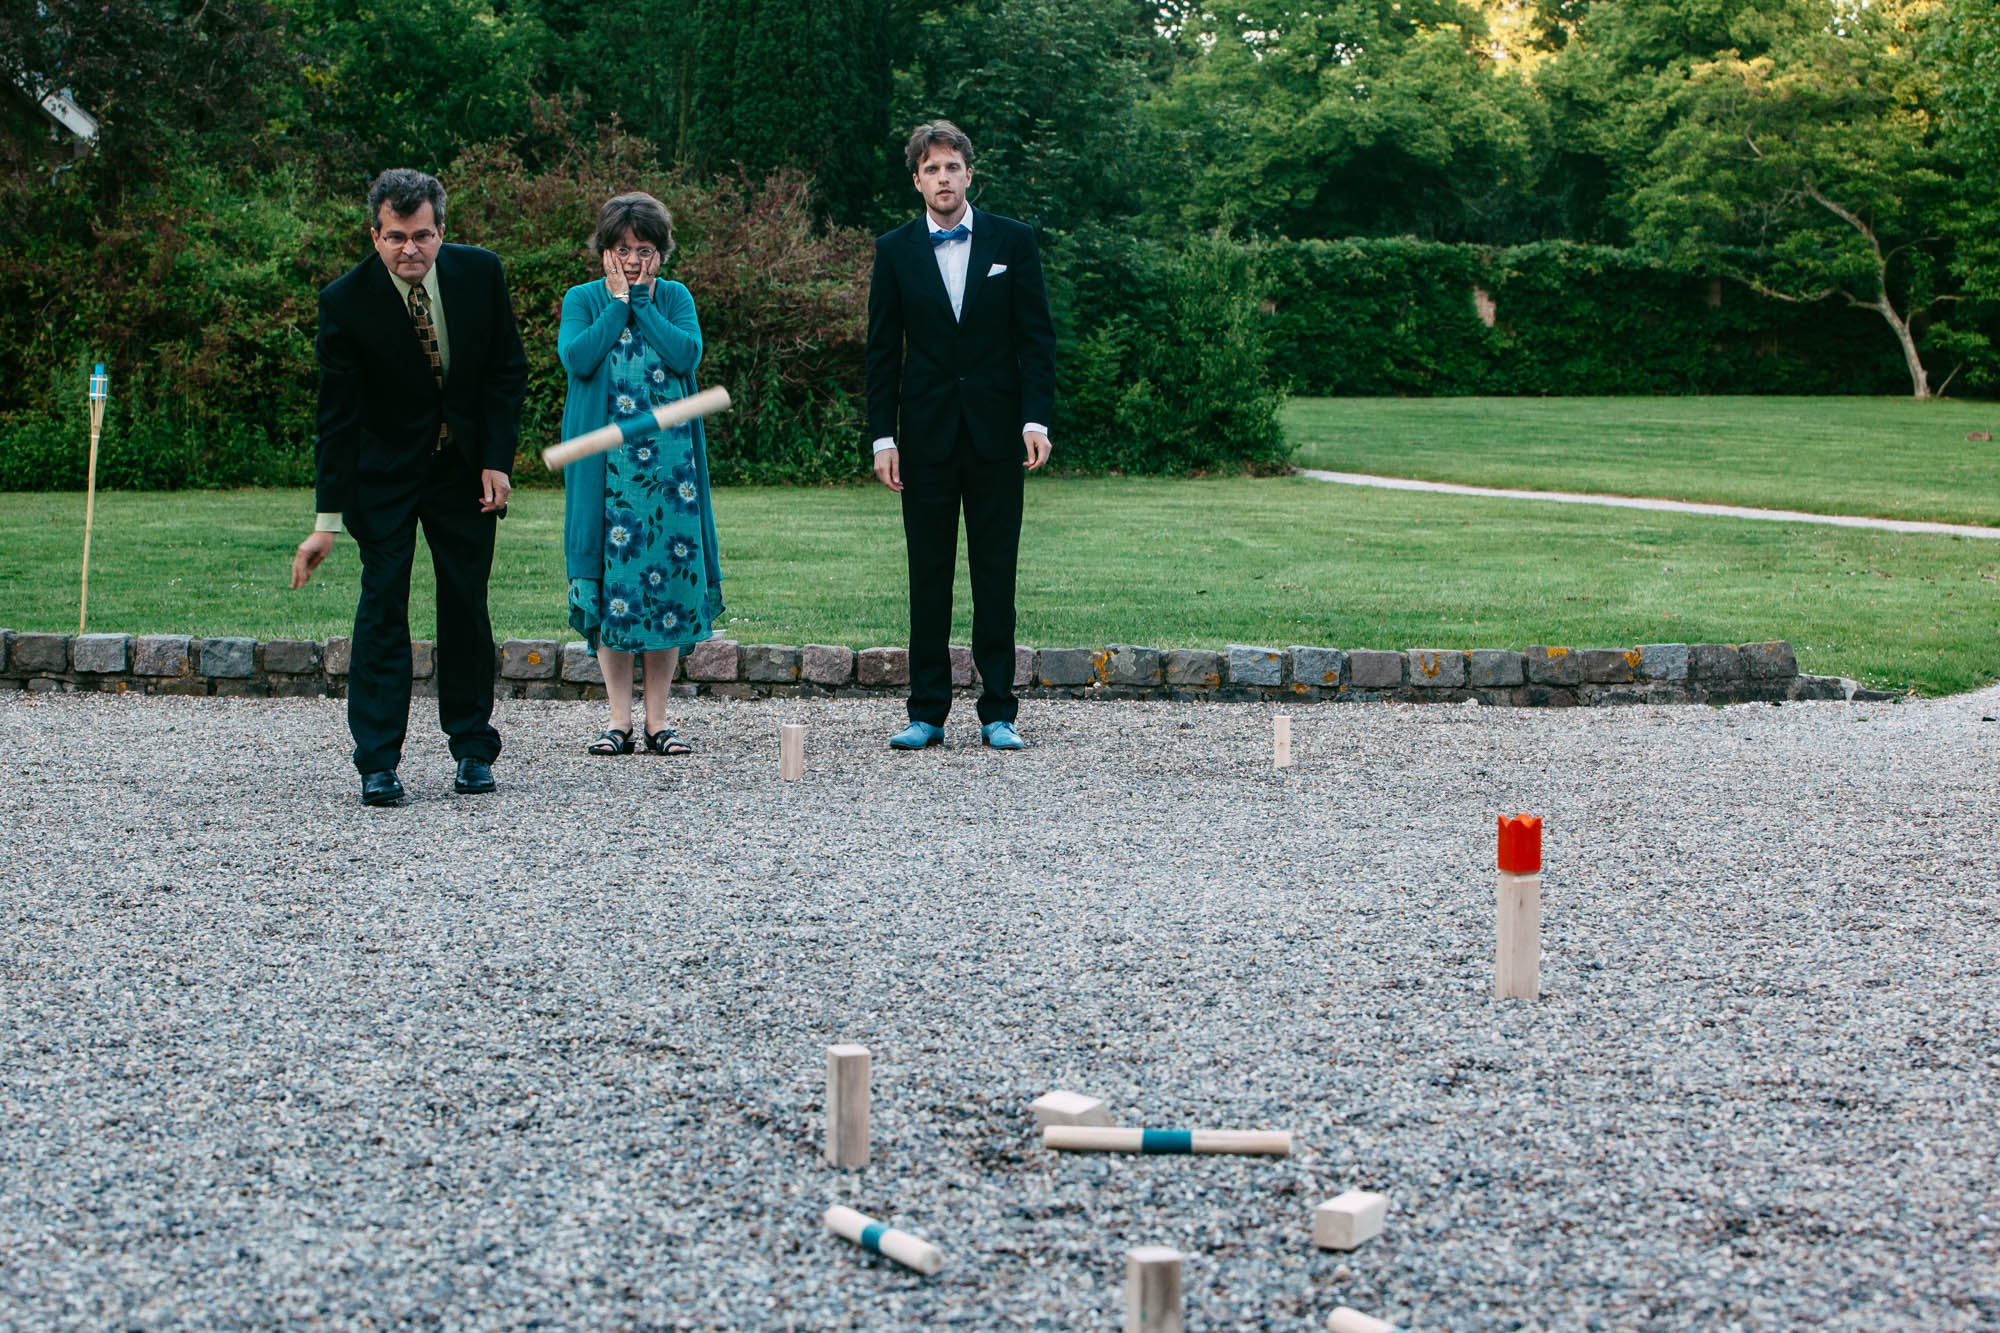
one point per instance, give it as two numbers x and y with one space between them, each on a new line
161 655
1374 669
579 664
712 659
1663 661
1765 661
1249 664
541 689
1436 668
1716 661
291 657
882 666
961 667
337 653
1065 667
423 659
1817 687
1494 668
228 659
1024 665
1193 667
1127 664
100 654
33 653
235 688
1552 666
307 687
828 664
6 638
42 685
1320 668
1608 666
530 659
771 663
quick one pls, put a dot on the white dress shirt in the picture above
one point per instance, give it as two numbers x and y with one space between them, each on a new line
952 258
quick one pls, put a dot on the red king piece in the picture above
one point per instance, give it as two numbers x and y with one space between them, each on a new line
1521 844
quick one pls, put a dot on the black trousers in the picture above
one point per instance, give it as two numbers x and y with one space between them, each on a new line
989 491
446 503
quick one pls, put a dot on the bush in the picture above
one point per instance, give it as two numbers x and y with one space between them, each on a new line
1161 357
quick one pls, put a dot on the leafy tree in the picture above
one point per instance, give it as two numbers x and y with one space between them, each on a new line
1811 172
1966 47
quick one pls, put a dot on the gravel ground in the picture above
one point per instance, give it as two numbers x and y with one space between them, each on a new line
555 1056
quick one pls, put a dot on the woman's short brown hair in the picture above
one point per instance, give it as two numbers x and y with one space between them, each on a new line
638 213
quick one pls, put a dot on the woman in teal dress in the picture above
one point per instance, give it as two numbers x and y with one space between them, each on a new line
638 528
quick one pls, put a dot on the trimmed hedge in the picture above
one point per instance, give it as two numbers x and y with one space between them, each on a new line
1402 317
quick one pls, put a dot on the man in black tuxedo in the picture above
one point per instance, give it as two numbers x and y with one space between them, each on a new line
961 381
421 379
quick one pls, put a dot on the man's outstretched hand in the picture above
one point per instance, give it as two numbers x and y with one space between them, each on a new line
312 551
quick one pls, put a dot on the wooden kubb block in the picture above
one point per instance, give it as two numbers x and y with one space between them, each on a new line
1344 1222
847 1105
1069 1108
1349 1320
1153 1301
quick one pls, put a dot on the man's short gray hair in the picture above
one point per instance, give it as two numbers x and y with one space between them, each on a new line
403 189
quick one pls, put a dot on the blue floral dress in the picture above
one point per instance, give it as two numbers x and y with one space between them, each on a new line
655 591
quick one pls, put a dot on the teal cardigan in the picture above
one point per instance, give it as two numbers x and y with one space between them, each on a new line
591 322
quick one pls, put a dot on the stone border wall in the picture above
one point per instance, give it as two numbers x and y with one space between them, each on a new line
1654 673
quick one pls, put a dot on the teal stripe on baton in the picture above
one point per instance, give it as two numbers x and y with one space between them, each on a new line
871 1237
1167 1141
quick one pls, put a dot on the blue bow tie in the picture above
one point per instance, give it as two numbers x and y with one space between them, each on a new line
958 233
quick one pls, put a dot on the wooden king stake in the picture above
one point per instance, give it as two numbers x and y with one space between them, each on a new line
847 1105
100 390
1153 1301
1517 960
1281 741
791 751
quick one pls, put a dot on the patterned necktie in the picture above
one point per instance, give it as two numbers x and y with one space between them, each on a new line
427 338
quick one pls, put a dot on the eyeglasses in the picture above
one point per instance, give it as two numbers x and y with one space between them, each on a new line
642 254
397 239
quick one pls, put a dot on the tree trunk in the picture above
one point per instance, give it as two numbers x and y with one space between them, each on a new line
1920 380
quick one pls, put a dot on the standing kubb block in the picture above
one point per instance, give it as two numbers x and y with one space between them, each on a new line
847 1105
1281 741
1153 1290
792 751
1517 958
1349 1320
1069 1108
1343 1222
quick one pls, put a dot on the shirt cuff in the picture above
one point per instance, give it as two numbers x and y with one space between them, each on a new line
886 442
1034 426
326 523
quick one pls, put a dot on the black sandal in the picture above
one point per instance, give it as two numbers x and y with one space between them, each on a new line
664 741
612 742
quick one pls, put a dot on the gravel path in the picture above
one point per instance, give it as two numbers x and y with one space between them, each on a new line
555 1057
1669 506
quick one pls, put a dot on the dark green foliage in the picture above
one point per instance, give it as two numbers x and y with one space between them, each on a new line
1400 317
1161 357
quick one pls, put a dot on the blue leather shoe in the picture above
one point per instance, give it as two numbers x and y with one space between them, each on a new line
917 736
1002 736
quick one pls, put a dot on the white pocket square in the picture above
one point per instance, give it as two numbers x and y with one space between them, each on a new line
996 270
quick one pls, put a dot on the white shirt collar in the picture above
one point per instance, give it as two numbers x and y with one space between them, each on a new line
930 217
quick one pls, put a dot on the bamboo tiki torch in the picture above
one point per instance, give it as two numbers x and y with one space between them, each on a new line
100 389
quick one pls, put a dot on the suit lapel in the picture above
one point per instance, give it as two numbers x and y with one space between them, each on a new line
924 256
395 317
985 244
459 297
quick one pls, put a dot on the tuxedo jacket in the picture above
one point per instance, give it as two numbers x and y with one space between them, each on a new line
379 404
992 370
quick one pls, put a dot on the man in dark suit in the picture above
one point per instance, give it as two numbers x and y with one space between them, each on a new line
421 379
961 382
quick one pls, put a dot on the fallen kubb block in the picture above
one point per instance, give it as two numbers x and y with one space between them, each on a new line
1069 1108
1517 947
1349 1320
1097 1138
1153 1302
847 1105
910 1251
1343 1222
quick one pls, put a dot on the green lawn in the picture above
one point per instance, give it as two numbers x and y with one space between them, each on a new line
1890 457
1167 563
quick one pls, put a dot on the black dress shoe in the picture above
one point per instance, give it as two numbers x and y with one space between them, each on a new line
474 776
382 788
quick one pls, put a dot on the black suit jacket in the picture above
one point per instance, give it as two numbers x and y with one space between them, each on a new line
992 369
379 405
